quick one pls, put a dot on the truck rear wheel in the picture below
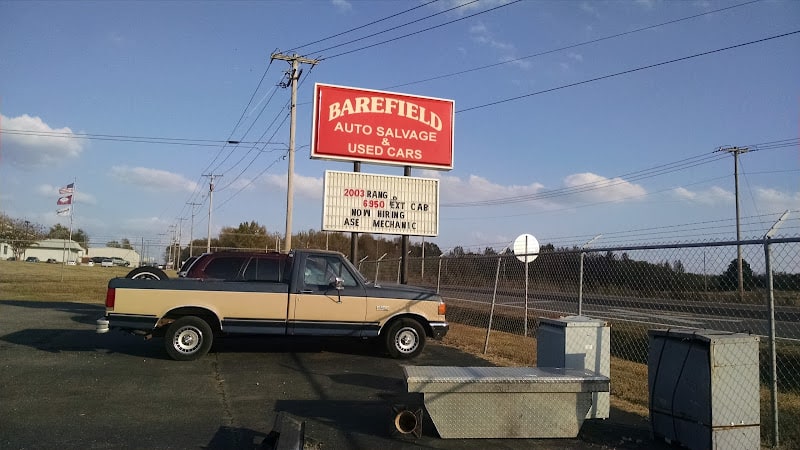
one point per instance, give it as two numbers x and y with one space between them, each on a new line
188 338
405 339
147 273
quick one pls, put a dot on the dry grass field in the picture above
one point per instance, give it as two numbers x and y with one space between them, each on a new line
85 284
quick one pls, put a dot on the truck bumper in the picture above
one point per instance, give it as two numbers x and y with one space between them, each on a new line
439 329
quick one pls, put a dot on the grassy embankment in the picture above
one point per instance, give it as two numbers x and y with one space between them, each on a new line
85 284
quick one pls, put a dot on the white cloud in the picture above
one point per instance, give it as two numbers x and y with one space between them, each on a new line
592 187
589 9
646 4
507 51
475 188
342 5
40 147
307 187
712 196
575 56
774 200
153 179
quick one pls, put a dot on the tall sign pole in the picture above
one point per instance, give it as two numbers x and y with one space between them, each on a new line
294 75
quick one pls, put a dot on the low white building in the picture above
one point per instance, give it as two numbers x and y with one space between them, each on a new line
129 255
62 250
6 251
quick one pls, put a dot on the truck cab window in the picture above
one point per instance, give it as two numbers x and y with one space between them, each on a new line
323 270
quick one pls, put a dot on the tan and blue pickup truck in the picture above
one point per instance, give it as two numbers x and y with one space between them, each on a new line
302 293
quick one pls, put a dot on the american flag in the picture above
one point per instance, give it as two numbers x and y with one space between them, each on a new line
68 189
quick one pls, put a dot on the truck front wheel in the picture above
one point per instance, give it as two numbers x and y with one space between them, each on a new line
405 339
188 338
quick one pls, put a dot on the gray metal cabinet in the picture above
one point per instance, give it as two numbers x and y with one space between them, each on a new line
704 388
577 342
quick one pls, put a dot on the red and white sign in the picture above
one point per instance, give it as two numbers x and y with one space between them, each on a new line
352 124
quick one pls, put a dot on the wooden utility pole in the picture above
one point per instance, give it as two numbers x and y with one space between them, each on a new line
191 228
210 207
736 151
294 75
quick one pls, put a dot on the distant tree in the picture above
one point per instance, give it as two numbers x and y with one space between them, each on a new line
59 231
126 244
113 244
19 234
730 278
246 235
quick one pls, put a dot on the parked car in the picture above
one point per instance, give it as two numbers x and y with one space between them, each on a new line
51 261
107 262
120 262
31 259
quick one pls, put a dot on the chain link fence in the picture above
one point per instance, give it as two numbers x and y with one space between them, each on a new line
636 289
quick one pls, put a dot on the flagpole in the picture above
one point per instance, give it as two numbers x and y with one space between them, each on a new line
71 214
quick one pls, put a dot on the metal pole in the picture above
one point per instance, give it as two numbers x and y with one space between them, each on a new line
772 336
580 275
526 288
377 266
580 286
404 244
439 275
491 311
772 351
422 270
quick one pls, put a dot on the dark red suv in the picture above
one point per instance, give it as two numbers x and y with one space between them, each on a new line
242 266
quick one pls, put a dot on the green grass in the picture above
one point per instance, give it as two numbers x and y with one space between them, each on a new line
56 282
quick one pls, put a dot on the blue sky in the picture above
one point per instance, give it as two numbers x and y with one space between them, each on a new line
595 158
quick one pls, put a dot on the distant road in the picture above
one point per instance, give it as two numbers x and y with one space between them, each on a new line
735 317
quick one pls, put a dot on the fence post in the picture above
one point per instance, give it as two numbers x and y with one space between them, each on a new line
772 351
580 286
580 275
491 312
378 267
773 389
439 276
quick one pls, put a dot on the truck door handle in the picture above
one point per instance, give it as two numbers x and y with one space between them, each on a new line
306 291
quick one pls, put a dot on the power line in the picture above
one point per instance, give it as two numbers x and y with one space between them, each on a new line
568 47
595 185
420 31
651 172
128 138
625 72
361 26
396 27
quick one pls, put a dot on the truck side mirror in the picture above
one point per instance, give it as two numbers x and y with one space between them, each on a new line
338 283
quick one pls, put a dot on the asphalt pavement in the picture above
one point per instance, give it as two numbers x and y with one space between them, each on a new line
64 386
